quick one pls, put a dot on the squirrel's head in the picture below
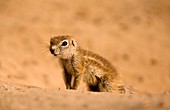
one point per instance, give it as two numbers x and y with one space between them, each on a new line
63 46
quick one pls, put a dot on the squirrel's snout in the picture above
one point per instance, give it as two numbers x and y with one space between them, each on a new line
54 50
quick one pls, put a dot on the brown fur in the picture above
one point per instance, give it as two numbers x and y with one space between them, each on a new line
82 66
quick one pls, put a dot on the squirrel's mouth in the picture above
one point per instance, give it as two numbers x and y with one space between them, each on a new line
54 54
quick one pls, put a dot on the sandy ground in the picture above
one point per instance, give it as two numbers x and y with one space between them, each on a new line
19 97
133 35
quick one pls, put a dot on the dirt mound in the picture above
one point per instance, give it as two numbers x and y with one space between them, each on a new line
21 97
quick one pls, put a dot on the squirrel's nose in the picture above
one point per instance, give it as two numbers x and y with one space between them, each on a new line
54 50
51 50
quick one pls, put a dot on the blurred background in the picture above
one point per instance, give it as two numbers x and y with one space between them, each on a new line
133 35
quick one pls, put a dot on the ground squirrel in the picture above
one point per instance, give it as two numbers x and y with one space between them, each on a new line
84 67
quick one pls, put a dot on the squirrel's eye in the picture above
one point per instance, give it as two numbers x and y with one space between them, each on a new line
64 43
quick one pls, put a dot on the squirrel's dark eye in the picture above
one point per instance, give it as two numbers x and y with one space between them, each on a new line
64 43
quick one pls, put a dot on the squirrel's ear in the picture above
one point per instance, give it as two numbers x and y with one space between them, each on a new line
74 43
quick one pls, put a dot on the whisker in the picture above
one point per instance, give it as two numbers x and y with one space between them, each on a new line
45 45
44 48
45 53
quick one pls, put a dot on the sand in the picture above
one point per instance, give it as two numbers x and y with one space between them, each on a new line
133 35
